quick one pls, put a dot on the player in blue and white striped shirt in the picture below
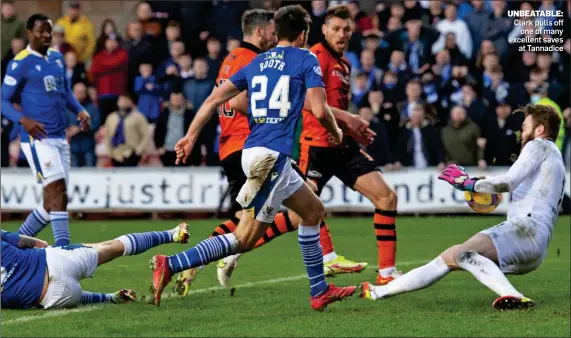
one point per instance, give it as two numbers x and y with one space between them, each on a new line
36 79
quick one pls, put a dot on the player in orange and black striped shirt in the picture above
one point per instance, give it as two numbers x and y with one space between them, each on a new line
346 161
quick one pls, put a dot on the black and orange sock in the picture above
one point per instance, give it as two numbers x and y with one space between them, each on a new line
226 227
325 238
281 225
385 231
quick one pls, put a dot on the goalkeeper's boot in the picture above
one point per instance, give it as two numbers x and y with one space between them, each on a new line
366 290
391 277
513 303
224 269
333 294
341 265
184 281
161 276
123 296
181 234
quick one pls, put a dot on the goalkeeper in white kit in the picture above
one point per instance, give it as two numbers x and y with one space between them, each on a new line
516 246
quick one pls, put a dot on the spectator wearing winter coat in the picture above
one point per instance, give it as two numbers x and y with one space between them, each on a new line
474 107
176 50
171 126
196 90
379 150
82 143
499 27
373 73
214 57
451 23
150 92
127 134
500 131
419 143
74 71
461 139
12 27
139 50
109 73
78 31
477 21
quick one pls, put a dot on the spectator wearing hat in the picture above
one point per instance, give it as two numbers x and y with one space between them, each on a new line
78 31
419 143
58 40
12 27
373 41
127 134
109 73
172 124
451 23
500 131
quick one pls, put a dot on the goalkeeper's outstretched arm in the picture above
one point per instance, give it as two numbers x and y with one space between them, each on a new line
528 162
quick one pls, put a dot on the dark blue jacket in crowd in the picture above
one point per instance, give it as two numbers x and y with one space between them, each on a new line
149 100
196 91
84 141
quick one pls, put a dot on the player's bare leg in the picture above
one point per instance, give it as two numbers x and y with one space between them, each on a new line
477 255
310 209
384 198
55 202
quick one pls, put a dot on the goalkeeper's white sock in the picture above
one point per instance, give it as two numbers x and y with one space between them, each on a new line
488 273
416 279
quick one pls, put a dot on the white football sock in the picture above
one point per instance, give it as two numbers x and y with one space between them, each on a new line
488 273
329 257
386 272
416 279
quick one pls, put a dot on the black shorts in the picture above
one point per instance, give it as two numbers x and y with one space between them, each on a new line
346 163
232 165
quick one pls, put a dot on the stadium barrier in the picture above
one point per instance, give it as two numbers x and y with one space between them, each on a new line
200 189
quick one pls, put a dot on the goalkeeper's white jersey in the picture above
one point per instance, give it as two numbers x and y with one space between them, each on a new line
536 180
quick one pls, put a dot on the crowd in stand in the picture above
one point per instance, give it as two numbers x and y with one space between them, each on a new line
437 80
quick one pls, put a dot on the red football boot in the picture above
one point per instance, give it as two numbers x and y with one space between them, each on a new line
161 276
332 294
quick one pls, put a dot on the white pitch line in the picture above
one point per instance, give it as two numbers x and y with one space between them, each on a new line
83 309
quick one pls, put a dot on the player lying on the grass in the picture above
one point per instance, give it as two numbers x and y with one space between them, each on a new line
259 36
277 82
36 78
516 246
35 274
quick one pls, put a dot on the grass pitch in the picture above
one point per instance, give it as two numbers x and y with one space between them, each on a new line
272 294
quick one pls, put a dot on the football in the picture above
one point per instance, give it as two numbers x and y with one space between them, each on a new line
482 203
